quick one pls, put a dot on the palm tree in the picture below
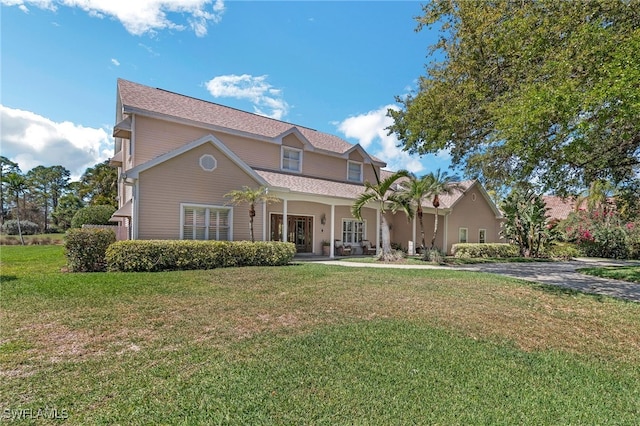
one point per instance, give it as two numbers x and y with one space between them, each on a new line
417 190
387 197
251 196
440 183
16 184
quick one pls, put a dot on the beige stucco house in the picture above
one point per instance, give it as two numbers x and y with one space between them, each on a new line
177 156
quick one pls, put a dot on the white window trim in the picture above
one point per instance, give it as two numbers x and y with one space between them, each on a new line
466 230
485 235
351 219
206 206
282 150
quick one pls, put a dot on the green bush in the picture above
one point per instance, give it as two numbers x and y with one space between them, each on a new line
563 251
433 255
477 250
163 255
85 249
93 215
10 227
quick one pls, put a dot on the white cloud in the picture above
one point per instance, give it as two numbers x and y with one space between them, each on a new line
369 130
32 140
115 62
141 16
266 100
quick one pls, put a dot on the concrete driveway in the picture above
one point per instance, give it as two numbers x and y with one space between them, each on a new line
561 274
564 274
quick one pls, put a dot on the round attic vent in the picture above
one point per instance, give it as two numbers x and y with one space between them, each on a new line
208 163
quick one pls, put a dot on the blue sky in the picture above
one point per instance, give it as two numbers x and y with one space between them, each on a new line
331 66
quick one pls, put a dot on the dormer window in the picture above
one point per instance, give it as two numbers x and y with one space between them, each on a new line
291 159
354 171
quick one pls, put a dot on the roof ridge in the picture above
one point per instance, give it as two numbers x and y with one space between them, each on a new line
221 105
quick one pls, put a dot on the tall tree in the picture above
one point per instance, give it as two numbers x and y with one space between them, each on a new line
67 207
16 185
545 90
417 190
60 178
6 166
387 196
47 184
440 183
100 185
251 196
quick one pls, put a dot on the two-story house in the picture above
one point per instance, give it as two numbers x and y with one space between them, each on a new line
178 156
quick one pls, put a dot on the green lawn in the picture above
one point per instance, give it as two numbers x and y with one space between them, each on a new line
309 344
624 273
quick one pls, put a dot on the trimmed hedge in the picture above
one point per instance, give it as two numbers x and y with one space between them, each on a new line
475 250
165 255
93 215
85 249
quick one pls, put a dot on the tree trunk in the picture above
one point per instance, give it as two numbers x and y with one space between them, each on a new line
252 213
18 218
386 237
423 244
435 231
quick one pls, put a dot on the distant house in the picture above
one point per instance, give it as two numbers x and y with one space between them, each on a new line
177 156
560 208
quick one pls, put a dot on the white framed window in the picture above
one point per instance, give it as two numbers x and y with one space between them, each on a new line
353 231
354 171
291 159
482 236
463 235
202 222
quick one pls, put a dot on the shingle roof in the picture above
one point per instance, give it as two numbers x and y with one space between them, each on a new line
559 208
314 186
138 97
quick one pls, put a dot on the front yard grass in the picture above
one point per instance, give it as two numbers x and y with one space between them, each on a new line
624 273
309 344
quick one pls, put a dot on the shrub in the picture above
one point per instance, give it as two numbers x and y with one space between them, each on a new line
563 251
433 255
10 227
86 249
476 250
163 255
601 233
93 215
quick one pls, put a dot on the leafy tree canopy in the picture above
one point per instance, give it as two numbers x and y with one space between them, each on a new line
545 91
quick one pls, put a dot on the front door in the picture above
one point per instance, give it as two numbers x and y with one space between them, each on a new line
300 230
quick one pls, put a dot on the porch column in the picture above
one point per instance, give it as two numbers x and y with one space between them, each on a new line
445 236
377 230
264 221
332 238
285 230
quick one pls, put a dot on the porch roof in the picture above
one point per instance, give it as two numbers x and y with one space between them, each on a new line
312 186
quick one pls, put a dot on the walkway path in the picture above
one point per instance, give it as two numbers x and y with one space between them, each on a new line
562 274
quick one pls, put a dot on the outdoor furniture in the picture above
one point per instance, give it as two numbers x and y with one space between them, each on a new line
367 248
342 249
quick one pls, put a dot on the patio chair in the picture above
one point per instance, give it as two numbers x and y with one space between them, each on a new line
342 249
367 248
